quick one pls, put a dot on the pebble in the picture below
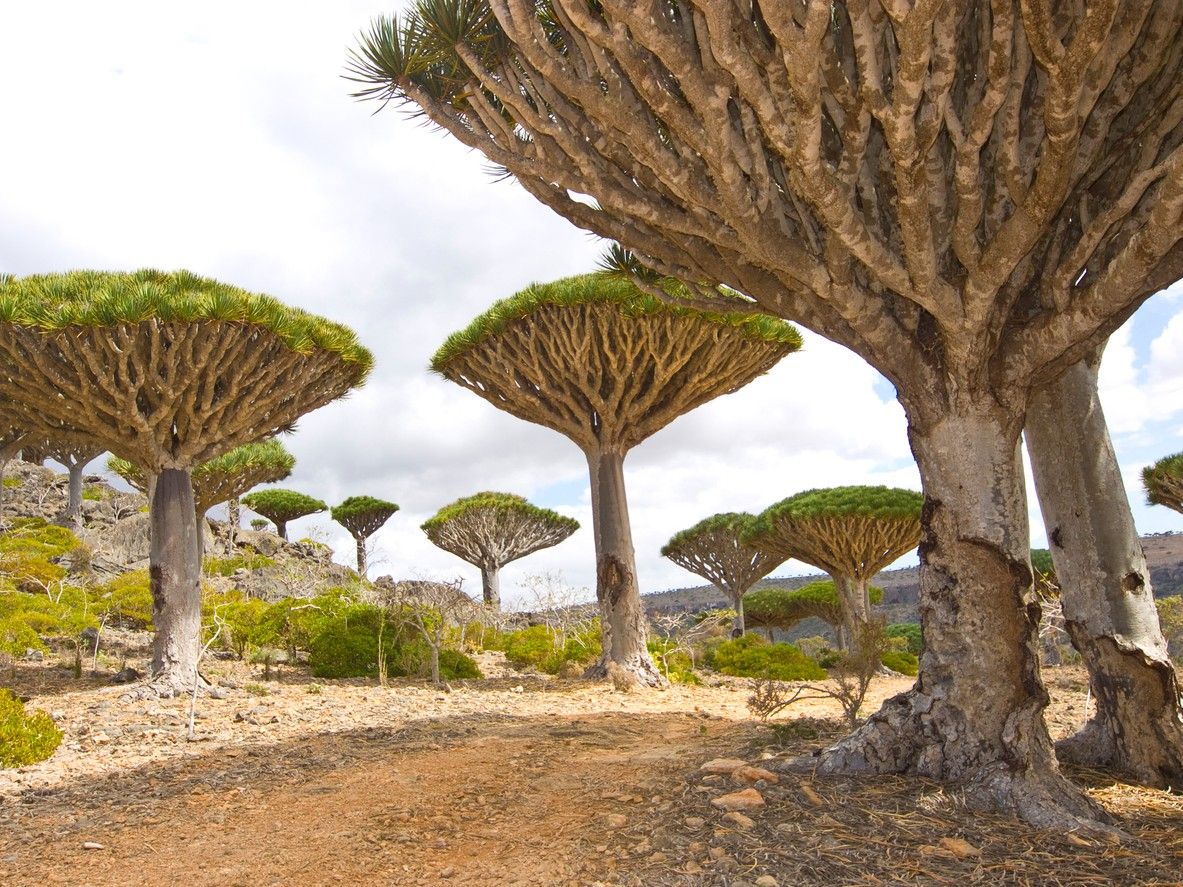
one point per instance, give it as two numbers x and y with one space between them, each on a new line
695 822
748 799
739 820
722 766
92 845
754 774
615 820
767 881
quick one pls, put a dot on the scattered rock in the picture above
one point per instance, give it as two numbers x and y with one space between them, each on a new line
92 845
811 796
960 847
722 766
126 675
739 820
754 774
33 655
766 881
748 799
615 820
695 822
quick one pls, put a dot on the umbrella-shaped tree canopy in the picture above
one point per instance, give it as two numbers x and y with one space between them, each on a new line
1164 482
489 530
607 365
713 548
362 516
783 608
280 506
850 532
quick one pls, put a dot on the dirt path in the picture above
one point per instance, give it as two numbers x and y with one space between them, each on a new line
508 784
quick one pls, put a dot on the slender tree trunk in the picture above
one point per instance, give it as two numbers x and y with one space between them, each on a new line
491 587
361 555
435 663
737 627
976 713
234 521
201 528
74 502
1104 584
175 571
281 529
7 451
622 617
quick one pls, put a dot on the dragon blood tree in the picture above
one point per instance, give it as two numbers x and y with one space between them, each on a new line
850 532
281 506
1163 482
12 441
713 549
362 516
222 478
971 196
783 608
491 529
74 452
168 371
608 365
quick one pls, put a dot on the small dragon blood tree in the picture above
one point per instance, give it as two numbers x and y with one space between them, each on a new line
607 365
362 516
783 608
168 371
1164 482
281 506
222 478
491 529
73 451
850 532
713 549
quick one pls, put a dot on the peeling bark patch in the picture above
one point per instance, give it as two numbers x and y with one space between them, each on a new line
611 579
1132 583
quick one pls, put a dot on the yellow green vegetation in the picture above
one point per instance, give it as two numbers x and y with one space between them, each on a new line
547 650
227 566
751 656
25 738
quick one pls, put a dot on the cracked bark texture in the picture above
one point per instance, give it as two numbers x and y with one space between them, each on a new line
102 355
713 549
1105 589
970 195
490 530
608 371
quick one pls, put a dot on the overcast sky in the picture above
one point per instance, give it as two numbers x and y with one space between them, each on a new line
220 137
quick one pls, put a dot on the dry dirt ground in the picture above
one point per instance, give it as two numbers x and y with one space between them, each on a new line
514 780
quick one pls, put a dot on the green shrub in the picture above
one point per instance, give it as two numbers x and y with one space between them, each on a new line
245 625
225 566
16 636
11 483
537 646
673 662
92 493
293 623
903 662
127 600
27 616
25 738
29 552
909 631
753 657
454 666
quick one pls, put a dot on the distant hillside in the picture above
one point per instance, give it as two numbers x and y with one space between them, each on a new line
901 588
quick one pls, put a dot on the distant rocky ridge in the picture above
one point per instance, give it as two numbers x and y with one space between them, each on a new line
901 588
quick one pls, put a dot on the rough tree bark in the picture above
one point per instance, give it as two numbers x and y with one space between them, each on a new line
622 615
234 521
175 577
281 529
982 721
491 586
856 607
360 542
1104 584
74 502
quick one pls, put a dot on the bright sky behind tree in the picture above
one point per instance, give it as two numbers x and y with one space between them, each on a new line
220 137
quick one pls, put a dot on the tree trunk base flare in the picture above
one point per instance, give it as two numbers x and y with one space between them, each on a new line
1136 731
169 684
175 579
1105 591
975 716
491 587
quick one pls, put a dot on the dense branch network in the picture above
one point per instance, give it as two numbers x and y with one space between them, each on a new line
782 608
828 159
1164 482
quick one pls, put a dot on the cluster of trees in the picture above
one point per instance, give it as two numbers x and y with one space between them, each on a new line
169 372
970 196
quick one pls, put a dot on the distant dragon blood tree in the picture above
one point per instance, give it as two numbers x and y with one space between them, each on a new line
168 371
783 608
713 549
608 365
850 532
362 516
491 529
74 452
281 506
1163 482
222 478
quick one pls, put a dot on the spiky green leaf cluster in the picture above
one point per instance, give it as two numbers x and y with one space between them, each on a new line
857 501
282 505
499 502
1164 482
783 608
588 289
363 508
269 455
102 299
730 521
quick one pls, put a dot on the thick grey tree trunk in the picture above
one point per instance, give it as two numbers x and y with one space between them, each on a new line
74 502
361 555
491 586
852 598
622 618
281 529
975 715
1104 584
175 571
